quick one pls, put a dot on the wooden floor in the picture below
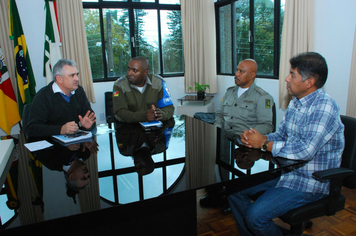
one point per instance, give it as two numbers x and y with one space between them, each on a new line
211 222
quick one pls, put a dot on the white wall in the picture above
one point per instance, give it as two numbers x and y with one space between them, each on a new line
334 34
335 23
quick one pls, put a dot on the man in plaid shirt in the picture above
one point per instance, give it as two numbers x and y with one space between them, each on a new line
311 130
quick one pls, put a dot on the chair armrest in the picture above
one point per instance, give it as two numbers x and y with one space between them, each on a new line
109 119
336 177
334 173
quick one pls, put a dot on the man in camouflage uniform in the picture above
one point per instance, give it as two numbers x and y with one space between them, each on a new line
245 105
140 97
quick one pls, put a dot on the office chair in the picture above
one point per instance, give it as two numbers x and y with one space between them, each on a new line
109 112
300 217
25 116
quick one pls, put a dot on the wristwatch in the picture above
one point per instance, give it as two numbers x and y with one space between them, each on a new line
265 146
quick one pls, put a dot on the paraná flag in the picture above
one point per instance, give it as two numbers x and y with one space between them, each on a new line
23 70
8 105
52 52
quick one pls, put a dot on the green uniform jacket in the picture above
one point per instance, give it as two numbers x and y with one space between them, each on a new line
253 109
130 105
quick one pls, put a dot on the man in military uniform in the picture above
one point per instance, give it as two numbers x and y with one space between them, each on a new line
140 97
245 105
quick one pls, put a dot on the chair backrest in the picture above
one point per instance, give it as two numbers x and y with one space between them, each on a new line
109 112
349 154
208 117
25 116
274 117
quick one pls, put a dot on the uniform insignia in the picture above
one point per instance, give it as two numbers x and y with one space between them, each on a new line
120 145
268 103
115 94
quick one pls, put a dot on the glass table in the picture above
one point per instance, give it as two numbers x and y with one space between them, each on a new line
136 178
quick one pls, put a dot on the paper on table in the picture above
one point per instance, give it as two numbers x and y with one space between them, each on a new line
35 146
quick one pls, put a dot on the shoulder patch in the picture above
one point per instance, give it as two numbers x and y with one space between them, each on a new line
261 91
267 103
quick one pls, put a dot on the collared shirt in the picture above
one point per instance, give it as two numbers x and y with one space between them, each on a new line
143 88
311 130
57 89
253 109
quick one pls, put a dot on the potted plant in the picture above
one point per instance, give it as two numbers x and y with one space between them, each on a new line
200 88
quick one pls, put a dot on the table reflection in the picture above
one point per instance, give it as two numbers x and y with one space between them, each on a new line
132 140
70 160
128 165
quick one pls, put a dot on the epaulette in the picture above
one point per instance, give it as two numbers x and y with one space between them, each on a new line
260 91
119 80
157 76
232 87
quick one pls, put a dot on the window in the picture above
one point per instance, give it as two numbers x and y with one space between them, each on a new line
121 29
249 29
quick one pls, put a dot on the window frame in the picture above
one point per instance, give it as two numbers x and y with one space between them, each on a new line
277 36
131 6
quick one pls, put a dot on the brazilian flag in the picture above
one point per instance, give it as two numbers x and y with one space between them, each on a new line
23 70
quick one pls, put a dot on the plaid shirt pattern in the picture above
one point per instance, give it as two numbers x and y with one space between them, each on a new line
311 130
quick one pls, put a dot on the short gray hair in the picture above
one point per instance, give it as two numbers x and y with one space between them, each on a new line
57 68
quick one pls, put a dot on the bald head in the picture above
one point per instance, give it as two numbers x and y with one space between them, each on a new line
246 73
252 64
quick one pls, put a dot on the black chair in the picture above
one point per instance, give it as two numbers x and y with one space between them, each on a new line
25 116
109 112
274 117
299 218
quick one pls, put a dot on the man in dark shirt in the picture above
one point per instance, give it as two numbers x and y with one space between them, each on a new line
62 106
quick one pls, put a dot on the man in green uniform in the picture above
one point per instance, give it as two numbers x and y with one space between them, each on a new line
140 97
245 105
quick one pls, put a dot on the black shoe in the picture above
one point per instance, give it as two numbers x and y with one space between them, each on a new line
226 210
211 200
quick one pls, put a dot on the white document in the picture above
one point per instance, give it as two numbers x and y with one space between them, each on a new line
39 145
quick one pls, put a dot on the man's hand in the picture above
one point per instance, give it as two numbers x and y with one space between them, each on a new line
158 112
88 120
69 128
153 113
150 114
74 147
252 138
92 146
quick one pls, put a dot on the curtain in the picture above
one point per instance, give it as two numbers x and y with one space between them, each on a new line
198 22
89 198
74 41
200 152
6 44
351 99
297 37
29 213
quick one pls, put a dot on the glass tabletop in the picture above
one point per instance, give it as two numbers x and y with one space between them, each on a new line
131 165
